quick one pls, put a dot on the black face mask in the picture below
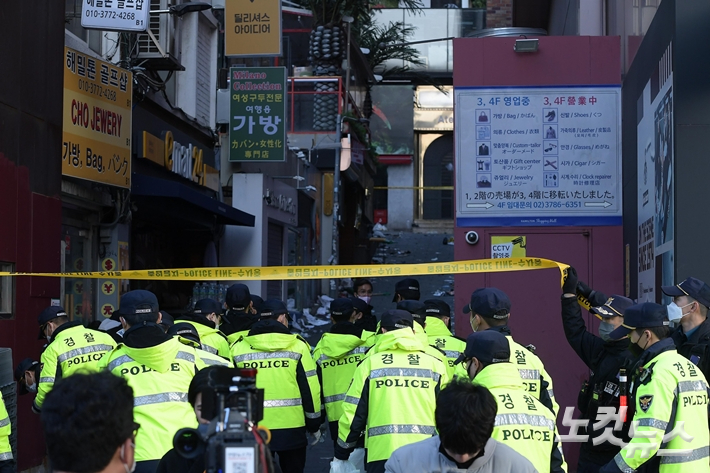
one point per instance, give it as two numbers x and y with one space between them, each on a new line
635 349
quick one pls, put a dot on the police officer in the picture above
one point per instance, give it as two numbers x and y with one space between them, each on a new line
337 355
438 330
689 310
366 320
241 312
406 289
287 373
670 397
604 357
489 309
392 397
418 311
205 317
522 422
27 375
71 347
159 369
189 335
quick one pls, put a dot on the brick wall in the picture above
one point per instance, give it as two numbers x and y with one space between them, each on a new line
499 13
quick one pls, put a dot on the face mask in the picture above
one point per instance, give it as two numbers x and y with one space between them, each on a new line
132 468
48 337
675 313
605 328
32 388
367 299
474 327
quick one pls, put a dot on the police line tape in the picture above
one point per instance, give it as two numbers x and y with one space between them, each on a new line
270 273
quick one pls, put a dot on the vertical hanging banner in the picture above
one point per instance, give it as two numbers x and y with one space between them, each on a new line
252 28
96 125
538 156
257 119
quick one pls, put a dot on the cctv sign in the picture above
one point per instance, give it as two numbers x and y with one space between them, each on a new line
116 15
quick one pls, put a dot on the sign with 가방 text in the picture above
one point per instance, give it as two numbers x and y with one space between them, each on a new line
252 28
96 125
257 120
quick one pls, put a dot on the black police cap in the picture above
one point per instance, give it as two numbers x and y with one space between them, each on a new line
50 313
437 308
396 319
416 308
272 308
691 287
488 346
342 307
408 288
238 297
646 315
489 302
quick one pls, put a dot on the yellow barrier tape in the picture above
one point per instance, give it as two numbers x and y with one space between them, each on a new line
269 273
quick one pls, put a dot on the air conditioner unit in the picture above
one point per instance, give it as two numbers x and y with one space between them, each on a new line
160 47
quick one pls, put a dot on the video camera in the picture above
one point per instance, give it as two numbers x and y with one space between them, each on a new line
231 442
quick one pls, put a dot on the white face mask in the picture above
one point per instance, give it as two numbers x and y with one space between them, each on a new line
675 313
32 388
132 468
367 299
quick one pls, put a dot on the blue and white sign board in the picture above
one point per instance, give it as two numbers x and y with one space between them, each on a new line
538 156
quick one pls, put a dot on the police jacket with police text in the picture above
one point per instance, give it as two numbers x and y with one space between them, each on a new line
211 339
159 368
604 359
439 336
392 397
337 355
73 347
670 396
287 373
522 422
696 347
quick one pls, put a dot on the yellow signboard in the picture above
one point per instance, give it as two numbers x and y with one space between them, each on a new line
252 28
96 120
508 247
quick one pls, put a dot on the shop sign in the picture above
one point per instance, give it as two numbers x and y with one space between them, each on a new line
96 120
184 160
252 28
281 202
257 120
116 15
441 119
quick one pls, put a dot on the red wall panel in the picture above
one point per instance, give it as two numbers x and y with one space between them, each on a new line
596 252
29 237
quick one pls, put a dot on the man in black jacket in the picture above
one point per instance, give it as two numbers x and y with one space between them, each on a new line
603 356
689 309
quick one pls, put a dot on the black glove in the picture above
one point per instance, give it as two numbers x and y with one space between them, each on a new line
570 284
584 290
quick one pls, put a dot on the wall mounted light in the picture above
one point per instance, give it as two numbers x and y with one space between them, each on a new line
526 45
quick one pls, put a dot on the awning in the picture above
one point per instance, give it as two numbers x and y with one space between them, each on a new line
395 159
162 195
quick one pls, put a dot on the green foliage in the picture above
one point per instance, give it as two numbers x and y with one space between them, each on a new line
386 42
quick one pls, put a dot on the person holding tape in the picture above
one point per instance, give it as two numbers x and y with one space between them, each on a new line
489 309
71 348
604 357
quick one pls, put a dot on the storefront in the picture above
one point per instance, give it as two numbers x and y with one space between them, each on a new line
178 218
277 239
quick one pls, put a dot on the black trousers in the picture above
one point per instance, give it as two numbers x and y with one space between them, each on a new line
292 461
8 466
375 467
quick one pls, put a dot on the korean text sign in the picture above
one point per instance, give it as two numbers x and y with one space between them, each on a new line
96 139
257 123
252 28
538 156
118 15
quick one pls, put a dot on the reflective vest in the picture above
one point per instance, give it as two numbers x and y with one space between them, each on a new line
392 397
337 356
207 358
531 369
5 431
278 359
73 348
440 337
233 338
522 422
160 377
675 402
212 340
423 338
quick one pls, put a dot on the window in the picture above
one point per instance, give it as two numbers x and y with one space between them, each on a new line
72 22
7 291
